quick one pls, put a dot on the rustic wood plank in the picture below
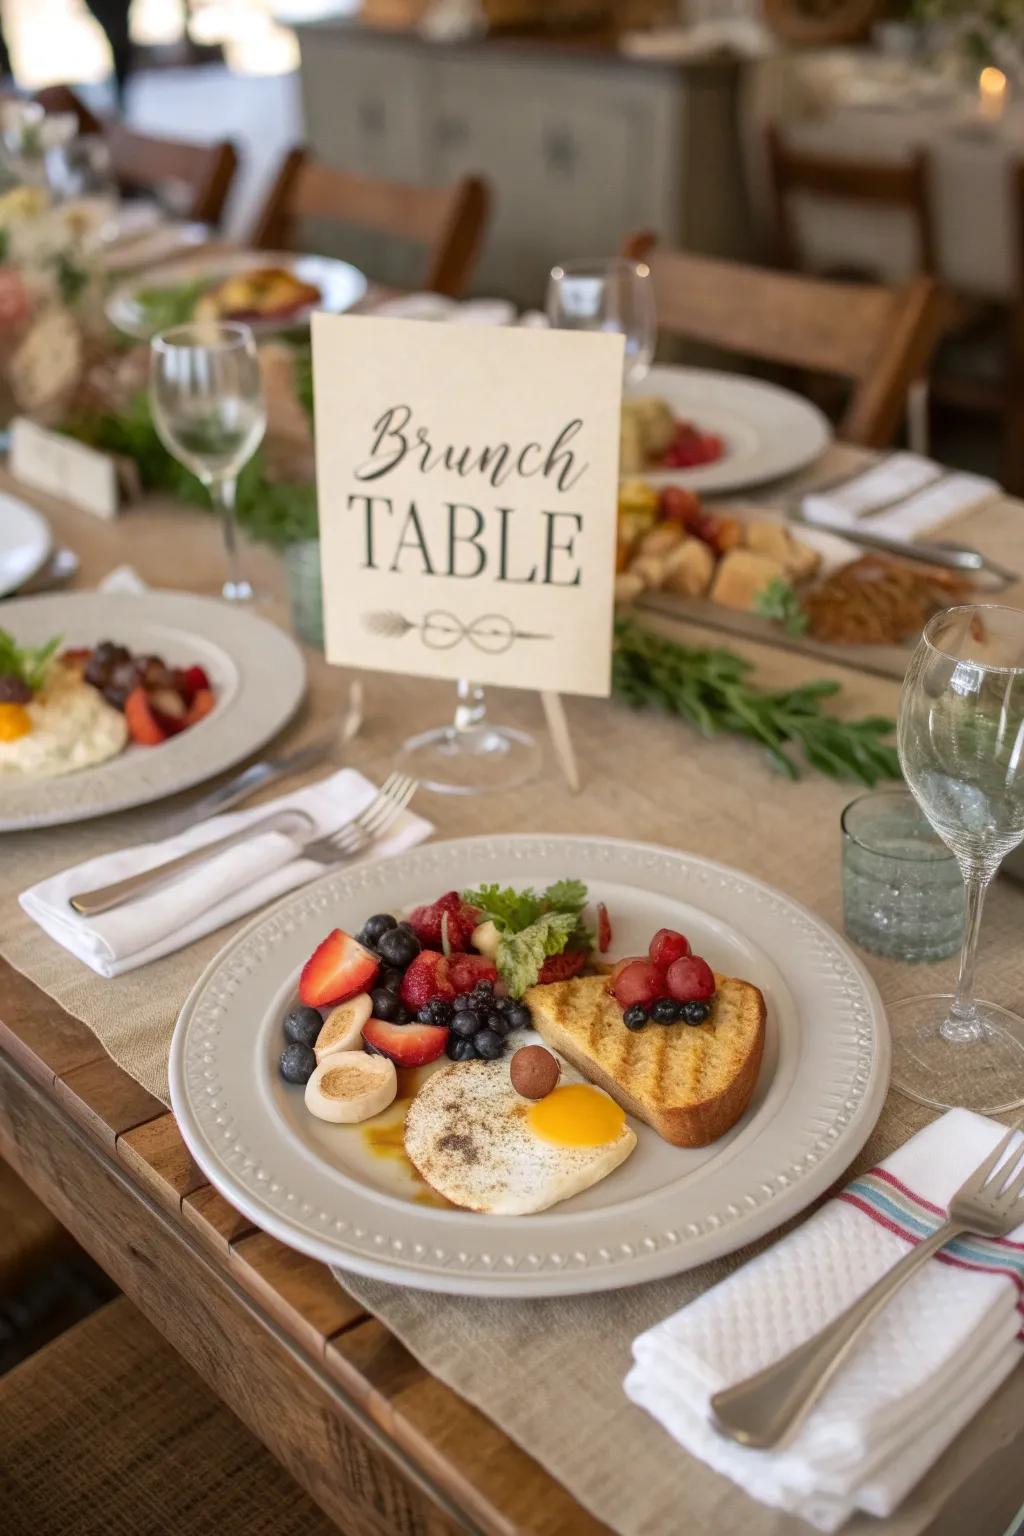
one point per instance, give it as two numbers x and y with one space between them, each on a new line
216 1223
360 1480
497 1483
161 1161
105 1100
299 1292
38 1034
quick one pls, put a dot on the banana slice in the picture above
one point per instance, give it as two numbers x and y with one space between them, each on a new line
486 939
351 1086
343 1027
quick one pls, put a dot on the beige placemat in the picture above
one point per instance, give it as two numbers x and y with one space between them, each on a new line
558 1389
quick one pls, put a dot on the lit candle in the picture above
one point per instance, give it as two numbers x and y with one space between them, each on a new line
992 92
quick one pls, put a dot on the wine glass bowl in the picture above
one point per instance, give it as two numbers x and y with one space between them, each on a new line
209 412
614 295
961 746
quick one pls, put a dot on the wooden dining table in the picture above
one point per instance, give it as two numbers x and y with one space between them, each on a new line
383 1447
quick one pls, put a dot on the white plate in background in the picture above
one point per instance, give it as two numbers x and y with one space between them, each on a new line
25 544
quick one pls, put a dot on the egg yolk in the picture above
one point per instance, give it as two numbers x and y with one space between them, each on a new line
15 722
576 1115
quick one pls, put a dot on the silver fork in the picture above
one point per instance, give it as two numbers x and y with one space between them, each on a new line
385 807
763 1409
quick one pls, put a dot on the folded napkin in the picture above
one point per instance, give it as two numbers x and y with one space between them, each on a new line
232 883
928 495
925 1367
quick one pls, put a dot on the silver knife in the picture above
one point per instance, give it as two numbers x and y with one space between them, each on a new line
950 557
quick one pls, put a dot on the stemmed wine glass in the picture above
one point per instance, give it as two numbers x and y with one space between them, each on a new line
615 295
208 409
961 746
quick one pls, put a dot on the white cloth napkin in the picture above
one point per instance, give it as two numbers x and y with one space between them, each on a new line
929 496
232 883
928 1363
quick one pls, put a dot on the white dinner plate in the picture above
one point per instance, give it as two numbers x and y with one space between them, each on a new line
256 671
767 431
321 1188
25 543
341 285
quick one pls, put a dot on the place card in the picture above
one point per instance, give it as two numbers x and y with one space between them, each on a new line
49 461
467 481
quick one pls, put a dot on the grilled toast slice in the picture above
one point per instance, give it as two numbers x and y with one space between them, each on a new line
690 1082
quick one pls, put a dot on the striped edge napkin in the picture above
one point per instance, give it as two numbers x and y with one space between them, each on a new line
928 496
926 1365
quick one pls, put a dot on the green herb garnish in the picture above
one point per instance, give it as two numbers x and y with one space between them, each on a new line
521 955
170 305
25 662
532 926
712 690
779 602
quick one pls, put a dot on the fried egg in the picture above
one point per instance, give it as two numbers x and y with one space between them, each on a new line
476 1141
69 726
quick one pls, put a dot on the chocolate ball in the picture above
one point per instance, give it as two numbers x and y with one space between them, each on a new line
533 1071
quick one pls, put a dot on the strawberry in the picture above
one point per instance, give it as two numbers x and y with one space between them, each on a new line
604 928
640 982
143 726
337 969
462 920
464 971
426 978
200 707
408 1045
189 681
562 967
691 980
667 946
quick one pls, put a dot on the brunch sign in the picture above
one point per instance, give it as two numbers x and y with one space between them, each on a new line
467 482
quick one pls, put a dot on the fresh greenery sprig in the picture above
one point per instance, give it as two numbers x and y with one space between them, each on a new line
712 690
778 601
532 926
25 662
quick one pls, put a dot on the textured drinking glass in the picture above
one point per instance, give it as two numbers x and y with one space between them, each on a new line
961 746
902 891
615 296
208 409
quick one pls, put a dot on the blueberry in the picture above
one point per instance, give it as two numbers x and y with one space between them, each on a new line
666 1010
297 1063
483 989
391 977
635 1017
460 1049
399 946
302 1025
466 1022
375 927
503 1004
463 1001
437 1011
694 1012
488 1044
499 1023
385 1004
518 1016
401 1014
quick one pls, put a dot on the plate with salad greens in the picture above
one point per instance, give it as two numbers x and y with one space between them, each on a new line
270 291
316 1044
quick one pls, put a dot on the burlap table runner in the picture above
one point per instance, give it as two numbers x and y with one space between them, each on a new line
548 1372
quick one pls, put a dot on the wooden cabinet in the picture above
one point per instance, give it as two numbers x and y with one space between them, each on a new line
580 145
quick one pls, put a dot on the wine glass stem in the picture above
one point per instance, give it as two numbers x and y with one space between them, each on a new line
963 1023
222 494
471 709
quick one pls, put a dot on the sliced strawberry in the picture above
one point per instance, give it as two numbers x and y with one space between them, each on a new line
691 980
426 978
604 928
640 982
408 1045
668 945
143 726
464 971
462 920
337 969
200 707
563 967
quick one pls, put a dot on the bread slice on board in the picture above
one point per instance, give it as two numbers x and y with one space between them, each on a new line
690 1082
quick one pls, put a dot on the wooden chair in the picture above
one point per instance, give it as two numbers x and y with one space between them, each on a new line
106 1430
878 339
449 221
796 174
198 175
